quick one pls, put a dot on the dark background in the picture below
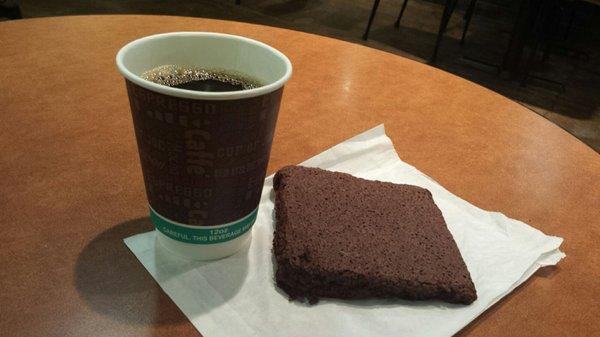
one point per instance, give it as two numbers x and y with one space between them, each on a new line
574 61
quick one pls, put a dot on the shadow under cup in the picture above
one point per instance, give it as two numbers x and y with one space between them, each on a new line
204 155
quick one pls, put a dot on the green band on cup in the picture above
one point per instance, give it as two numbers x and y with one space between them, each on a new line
203 235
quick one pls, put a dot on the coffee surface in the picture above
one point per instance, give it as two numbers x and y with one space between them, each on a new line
200 79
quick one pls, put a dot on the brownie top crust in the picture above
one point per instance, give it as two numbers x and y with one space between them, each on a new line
341 236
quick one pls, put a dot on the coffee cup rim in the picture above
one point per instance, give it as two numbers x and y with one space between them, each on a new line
203 95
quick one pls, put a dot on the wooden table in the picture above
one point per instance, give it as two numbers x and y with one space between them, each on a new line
71 186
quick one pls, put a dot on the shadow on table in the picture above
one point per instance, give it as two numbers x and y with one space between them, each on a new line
114 283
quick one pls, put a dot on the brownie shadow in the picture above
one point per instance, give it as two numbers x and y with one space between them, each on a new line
392 303
114 283
378 303
273 259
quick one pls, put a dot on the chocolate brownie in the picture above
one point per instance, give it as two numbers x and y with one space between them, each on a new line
339 236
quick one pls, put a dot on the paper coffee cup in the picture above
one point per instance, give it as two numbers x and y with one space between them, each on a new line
203 154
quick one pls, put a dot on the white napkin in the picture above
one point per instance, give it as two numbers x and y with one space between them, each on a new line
237 296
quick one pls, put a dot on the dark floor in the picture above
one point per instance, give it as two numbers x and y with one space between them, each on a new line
576 109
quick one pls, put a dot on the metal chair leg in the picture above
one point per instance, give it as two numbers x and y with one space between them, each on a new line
371 17
529 63
572 13
509 59
467 18
448 9
538 38
397 23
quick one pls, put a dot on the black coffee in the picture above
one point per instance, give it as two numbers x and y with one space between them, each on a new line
210 85
200 79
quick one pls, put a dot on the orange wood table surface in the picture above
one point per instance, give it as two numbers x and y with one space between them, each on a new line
71 186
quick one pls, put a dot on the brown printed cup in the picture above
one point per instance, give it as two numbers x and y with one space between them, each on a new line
204 155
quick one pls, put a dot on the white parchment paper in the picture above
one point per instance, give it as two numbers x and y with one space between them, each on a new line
237 296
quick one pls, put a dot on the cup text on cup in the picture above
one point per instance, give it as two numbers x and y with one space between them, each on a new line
197 158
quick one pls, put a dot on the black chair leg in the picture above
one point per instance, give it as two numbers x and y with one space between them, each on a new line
237 2
538 38
572 13
397 23
448 9
468 15
371 17
529 63
546 51
509 59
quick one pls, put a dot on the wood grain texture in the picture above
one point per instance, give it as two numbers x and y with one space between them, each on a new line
71 186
